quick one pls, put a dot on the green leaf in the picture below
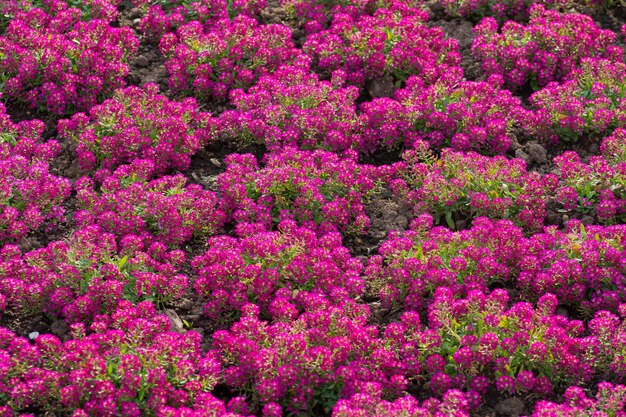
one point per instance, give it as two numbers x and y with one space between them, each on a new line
449 220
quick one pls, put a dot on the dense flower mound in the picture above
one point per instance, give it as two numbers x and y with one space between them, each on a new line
514 9
548 49
89 275
164 17
270 268
305 364
387 43
462 115
24 139
30 197
129 365
138 123
583 266
610 400
317 189
317 14
369 402
293 107
598 186
90 9
588 105
58 62
165 210
461 186
230 54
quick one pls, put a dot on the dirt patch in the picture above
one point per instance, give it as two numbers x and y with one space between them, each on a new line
463 31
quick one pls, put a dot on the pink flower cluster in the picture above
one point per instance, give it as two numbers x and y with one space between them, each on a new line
30 197
317 14
229 54
463 115
548 49
317 189
597 186
583 266
138 123
165 210
589 104
387 43
166 17
89 275
90 9
610 400
57 62
461 186
269 269
293 107
305 364
514 9
130 365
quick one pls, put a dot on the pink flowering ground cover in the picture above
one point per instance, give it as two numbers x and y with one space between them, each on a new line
281 208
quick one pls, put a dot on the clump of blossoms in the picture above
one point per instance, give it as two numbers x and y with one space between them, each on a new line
90 9
369 402
163 210
292 106
317 14
60 63
138 123
267 268
132 365
588 105
582 265
548 49
610 400
90 275
165 16
604 344
412 265
387 43
514 9
230 54
460 186
307 364
24 139
318 189
463 115
599 186
30 197
476 343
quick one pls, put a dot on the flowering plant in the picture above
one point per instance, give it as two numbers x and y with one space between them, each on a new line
589 104
463 115
138 123
132 365
90 275
163 16
318 189
164 210
459 186
268 268
231 54
548 49
372 46
600 185
292 107
60 63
